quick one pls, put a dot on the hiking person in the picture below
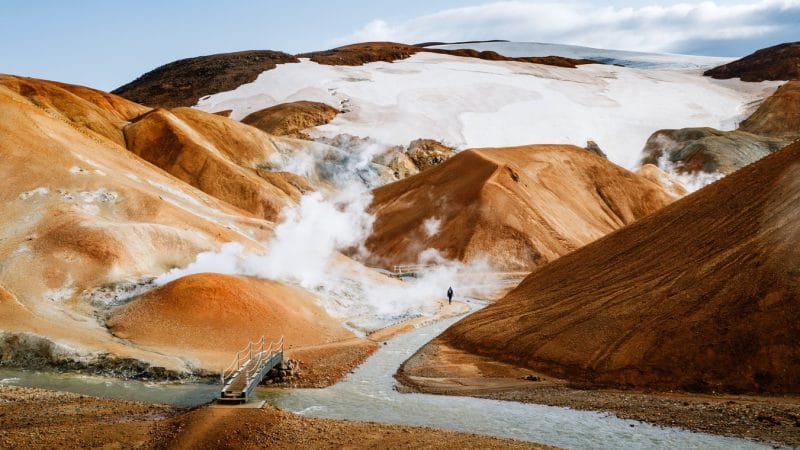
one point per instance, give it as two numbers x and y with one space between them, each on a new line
450 295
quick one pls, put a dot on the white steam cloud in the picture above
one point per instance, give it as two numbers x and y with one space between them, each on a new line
691 181
306 245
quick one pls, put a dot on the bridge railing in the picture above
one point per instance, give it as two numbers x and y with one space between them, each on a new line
262 356
242 356
411 268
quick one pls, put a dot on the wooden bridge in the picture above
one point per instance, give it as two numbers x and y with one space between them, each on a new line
251 364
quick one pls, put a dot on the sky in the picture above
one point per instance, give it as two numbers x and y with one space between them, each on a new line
105 44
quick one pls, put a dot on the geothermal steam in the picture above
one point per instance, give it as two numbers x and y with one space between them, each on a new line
306 245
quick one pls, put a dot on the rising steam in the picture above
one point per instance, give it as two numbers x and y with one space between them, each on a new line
305 249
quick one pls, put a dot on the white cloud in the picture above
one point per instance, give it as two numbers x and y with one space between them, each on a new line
646 28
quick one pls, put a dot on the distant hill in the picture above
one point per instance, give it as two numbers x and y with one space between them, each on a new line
184 82
702 295
780 62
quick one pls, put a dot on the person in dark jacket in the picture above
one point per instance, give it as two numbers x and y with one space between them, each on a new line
450 295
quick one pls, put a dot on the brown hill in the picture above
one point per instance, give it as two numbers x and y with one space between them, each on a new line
211 316
780 62
779 115
184 82
519 206
290 119
218 155
702 295
367 52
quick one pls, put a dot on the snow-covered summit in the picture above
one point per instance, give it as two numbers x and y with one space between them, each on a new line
469 102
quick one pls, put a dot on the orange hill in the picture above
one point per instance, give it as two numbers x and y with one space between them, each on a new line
702 295
290 119
93 111
210 317
217 155
520 206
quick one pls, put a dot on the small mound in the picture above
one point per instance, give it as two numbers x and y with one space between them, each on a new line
211 316
183 82
779 115
780 62
519 206
290 119
700 296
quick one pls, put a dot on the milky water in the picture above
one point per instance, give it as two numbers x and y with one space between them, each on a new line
187 394
368 394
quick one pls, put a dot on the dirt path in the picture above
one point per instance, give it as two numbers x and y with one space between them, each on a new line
439 369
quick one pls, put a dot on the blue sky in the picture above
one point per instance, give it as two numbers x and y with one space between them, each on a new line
105 44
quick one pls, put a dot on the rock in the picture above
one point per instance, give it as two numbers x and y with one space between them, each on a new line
427 153
594 148
691 150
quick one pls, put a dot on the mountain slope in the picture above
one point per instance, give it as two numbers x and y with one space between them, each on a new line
780 62
93 111
779 115
220 156
183 82
520 207
86 222
701 295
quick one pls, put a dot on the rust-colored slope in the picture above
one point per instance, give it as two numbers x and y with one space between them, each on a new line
520 206
101 113
290 119
211 316
780 62
702 295
218 155
779 115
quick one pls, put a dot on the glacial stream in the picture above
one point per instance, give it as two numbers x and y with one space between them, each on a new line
368 394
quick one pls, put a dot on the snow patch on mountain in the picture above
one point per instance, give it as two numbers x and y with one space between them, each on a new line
468 102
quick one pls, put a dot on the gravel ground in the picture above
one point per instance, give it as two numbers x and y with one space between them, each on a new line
37 418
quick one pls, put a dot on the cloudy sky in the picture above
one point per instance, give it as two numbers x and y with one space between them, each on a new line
105 44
